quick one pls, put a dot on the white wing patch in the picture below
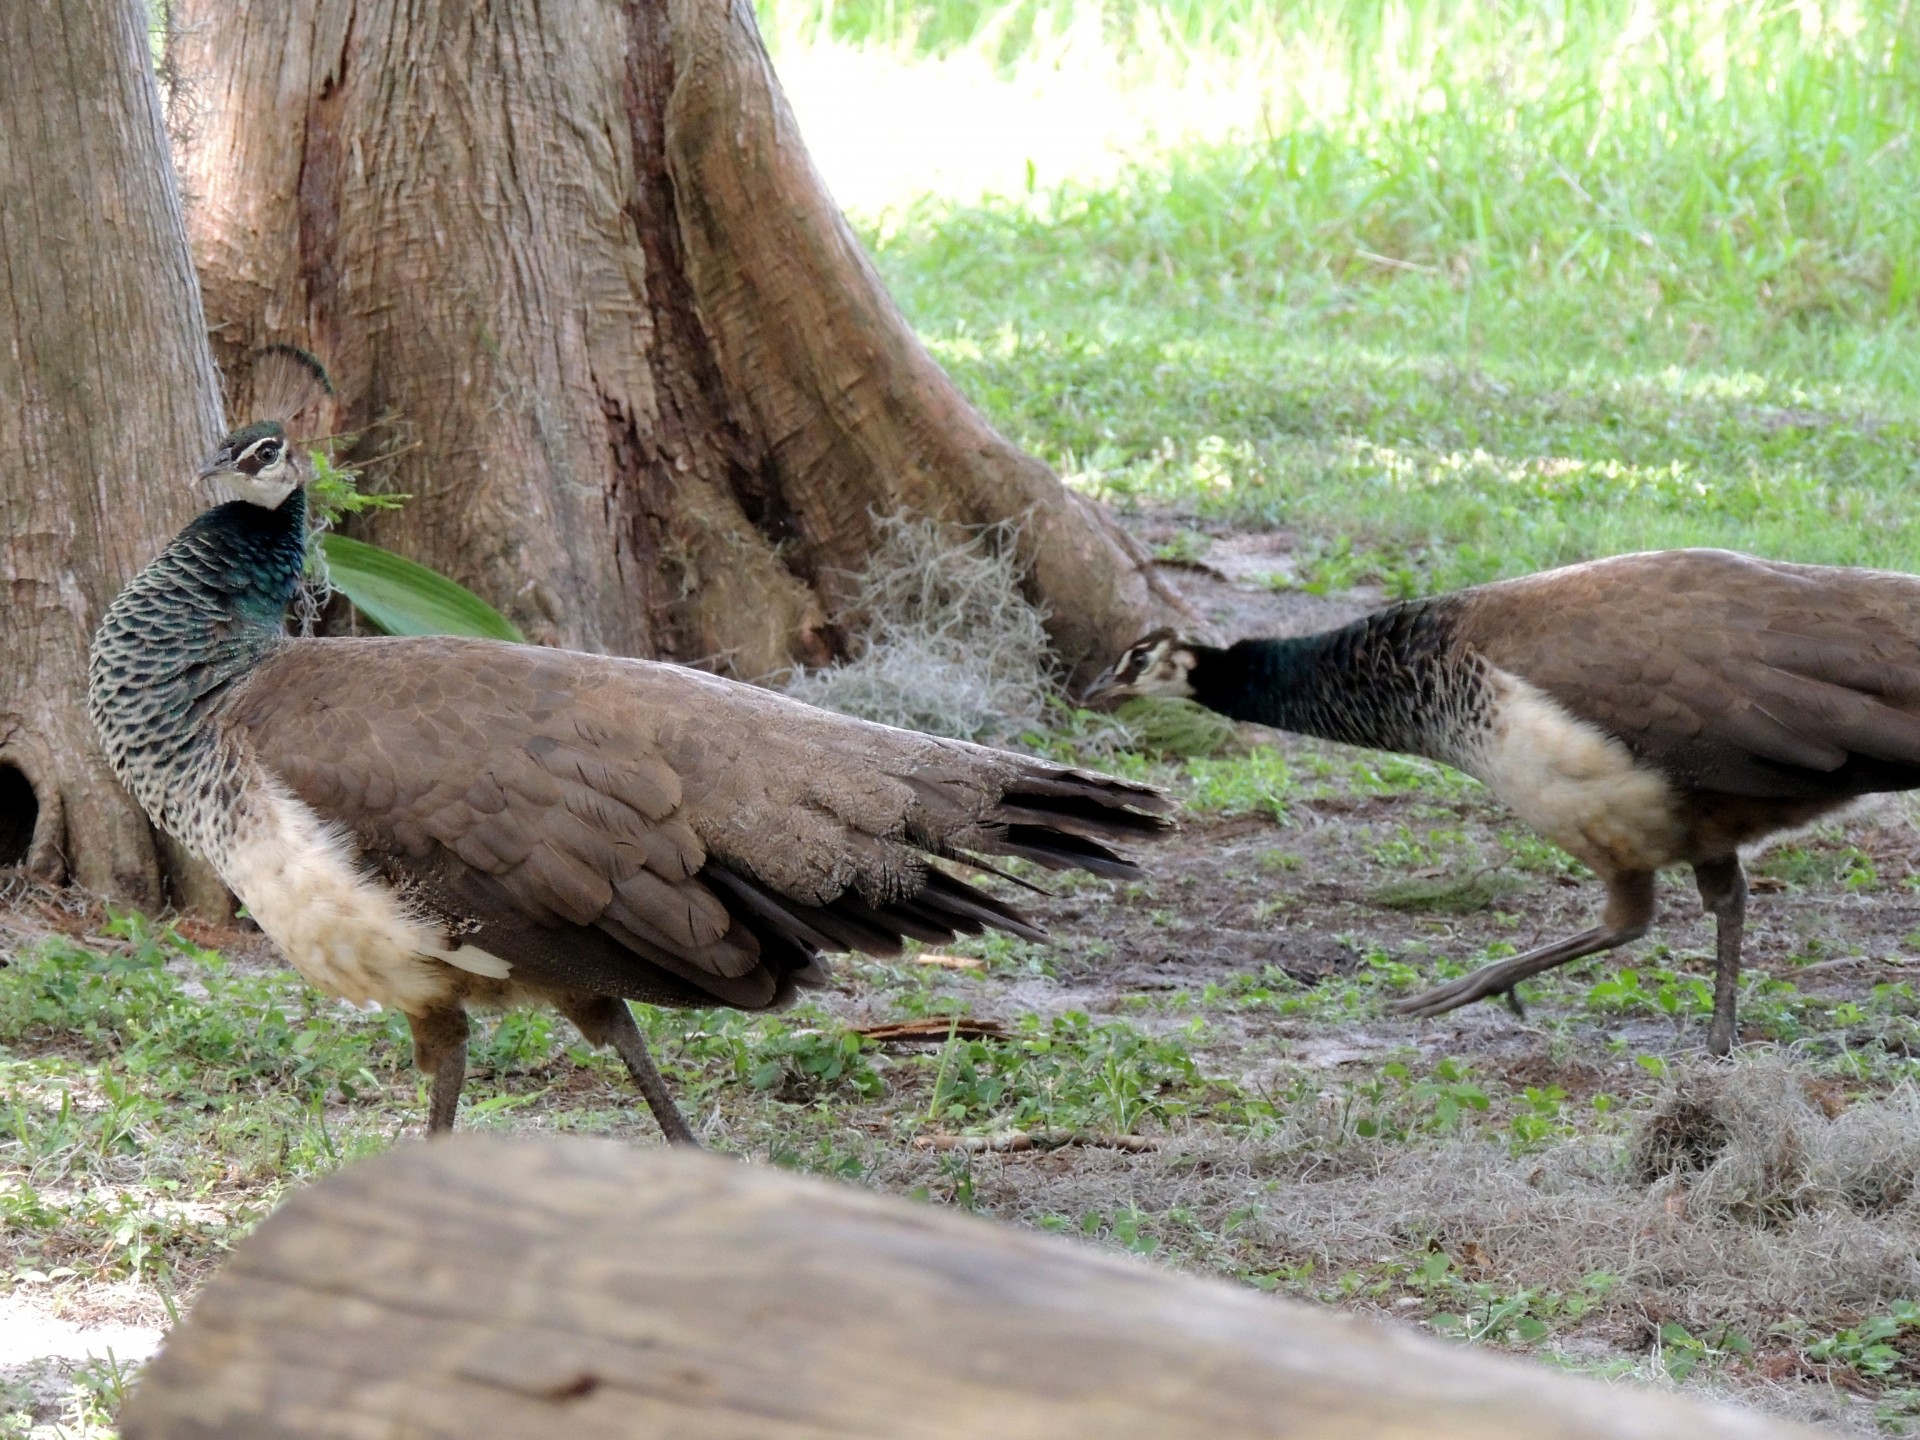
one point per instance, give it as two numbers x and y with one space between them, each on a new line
1574 783
345 931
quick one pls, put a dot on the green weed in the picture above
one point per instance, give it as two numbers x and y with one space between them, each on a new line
800 1057
1682 1352
186 1029
1451 894
1397 1104
1652 991
1488 1315
1256 783
1841 866
1066 1073
1870 1347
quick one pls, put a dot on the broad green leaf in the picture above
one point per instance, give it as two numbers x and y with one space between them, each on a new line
403 598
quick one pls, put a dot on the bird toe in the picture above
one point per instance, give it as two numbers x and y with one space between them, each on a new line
1440 999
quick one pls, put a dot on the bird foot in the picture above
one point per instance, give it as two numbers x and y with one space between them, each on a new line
1453 995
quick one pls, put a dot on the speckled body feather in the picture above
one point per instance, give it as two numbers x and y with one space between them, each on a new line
168 654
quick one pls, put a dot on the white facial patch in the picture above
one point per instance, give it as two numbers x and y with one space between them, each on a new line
269 489
1174 674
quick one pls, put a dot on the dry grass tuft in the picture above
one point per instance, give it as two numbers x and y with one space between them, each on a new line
1739 1140
947 641
1734 1204
32 910
1764 1174
1756 1143
1870 1158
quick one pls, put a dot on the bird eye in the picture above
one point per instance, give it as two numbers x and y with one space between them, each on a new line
259 456
254 456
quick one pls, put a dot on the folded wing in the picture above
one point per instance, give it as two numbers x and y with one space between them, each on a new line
649 831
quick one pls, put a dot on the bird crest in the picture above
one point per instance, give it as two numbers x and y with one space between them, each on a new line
289 385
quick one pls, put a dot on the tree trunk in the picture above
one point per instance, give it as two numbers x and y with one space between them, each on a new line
649 393
107 405
479 1287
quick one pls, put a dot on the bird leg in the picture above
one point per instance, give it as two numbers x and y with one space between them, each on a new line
607 1020
1723 895
440 1050
1628 914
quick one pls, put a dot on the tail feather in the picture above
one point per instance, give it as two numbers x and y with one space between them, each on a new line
1067 819
1104 791
1061 849
941 909
1113 809
1059 819
814 927
956 899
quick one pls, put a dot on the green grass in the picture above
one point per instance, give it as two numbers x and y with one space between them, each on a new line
160 1099
1489 289
155 1101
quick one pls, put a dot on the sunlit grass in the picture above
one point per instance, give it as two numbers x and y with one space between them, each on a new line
1683 148
1466 290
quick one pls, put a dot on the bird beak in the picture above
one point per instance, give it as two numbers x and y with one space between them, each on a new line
212 470
1103 692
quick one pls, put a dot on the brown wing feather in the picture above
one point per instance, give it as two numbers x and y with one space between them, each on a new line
1730 673
651 831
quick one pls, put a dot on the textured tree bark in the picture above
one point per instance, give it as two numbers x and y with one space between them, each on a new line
574 252
108 403
480 1288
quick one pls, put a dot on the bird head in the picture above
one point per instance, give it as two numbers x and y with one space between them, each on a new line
1156 664
256 463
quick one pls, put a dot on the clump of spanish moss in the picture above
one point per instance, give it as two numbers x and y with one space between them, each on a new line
946 641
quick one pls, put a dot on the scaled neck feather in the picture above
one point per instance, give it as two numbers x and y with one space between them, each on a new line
199 618
1382 682
235 568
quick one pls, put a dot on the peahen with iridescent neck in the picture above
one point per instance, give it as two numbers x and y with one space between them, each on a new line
1648 710
186 629
438 823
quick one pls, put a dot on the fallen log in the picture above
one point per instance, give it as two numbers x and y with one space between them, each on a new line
481 1287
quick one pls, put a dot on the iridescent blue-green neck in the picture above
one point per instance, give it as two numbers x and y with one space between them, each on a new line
185 629
229 576
1298 683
